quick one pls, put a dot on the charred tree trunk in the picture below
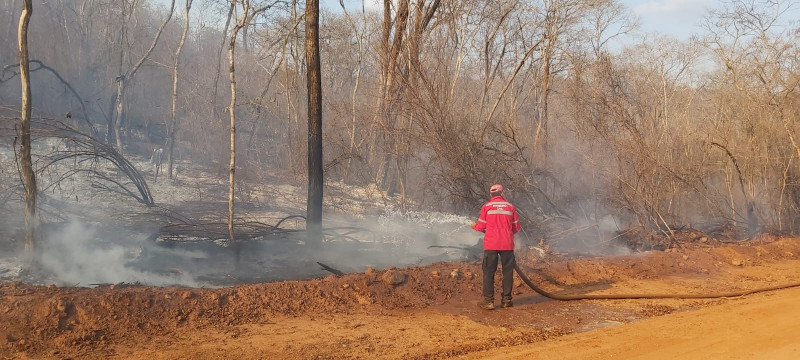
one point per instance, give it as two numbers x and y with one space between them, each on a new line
29 177
172 129
314 84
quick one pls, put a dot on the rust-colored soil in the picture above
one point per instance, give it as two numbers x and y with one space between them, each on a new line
762 326
432 314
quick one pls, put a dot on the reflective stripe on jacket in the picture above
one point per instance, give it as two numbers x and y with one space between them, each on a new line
500 222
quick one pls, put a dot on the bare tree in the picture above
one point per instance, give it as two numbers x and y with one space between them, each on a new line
232 111
172 126
248 13
559 15
756 88
219 57
390 54
361 36
123 80
607 20
314 85
28 175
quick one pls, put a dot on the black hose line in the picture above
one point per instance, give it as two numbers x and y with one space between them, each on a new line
544 293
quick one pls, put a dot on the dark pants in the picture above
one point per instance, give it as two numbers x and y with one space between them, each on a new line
490 267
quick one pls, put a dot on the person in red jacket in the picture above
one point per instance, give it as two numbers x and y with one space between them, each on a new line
499 222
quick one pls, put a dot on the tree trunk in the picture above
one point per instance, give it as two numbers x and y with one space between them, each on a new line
314 84
173 128
232 112
557 15
386 113
29 177
352 130
123 80
219 62
115 125
542 114
422 19
289 117
791 135
397 42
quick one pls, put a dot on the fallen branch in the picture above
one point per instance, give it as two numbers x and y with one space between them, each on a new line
289 217
83 147
330 269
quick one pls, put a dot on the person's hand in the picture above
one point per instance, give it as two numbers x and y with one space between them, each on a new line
472 224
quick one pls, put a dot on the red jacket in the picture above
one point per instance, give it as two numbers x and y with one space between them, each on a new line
500 222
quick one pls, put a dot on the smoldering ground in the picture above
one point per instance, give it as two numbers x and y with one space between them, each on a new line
98 243
395 238
79 253
97 248
600 237
400 238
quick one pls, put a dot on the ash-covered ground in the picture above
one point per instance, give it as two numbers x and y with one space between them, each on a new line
92 233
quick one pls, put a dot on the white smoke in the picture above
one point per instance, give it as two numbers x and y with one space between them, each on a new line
398 238
596 237
75 255
424 228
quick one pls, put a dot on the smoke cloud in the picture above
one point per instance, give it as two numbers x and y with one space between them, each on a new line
400 238
587 237
76 255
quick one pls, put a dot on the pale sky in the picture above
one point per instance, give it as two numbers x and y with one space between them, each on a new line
678 18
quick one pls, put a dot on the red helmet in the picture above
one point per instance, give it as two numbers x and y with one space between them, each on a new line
496 188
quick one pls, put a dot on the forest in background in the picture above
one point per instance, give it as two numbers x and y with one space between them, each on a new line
584 119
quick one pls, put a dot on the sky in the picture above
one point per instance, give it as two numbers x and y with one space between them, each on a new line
677 18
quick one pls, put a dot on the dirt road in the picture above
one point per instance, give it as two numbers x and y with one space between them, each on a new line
431 314
757 327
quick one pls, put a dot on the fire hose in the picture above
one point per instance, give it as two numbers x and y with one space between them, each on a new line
550 295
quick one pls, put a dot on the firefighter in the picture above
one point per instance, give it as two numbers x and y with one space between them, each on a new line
499 222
